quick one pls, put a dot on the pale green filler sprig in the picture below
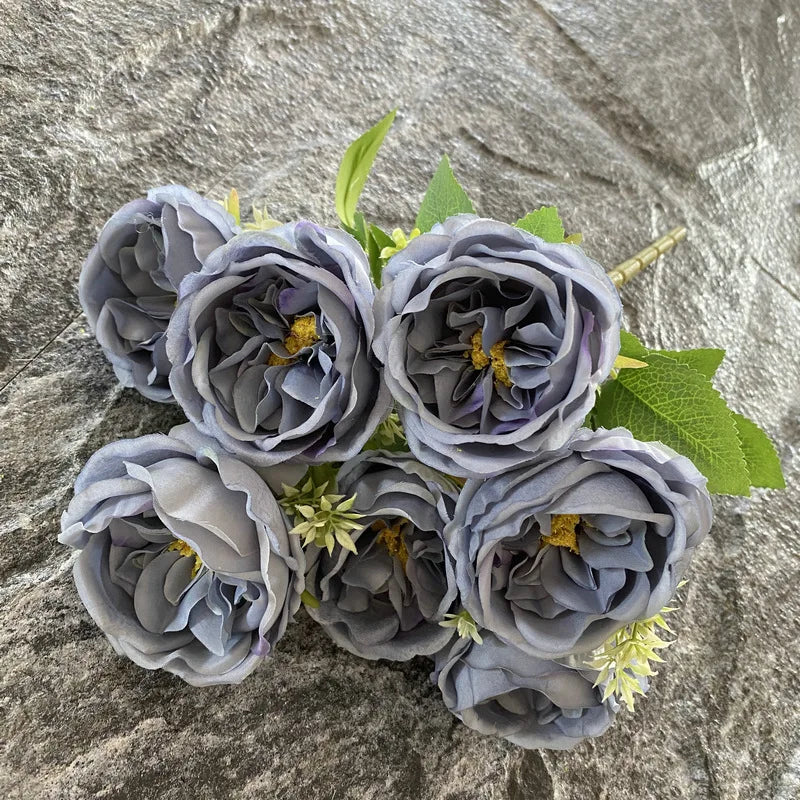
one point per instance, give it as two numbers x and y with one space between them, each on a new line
626 656
261 221
464 624
323 519
308 495
389 432
231 205
400 242
261 218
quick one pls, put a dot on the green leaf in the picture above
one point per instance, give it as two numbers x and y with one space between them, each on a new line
674 404
705 360
359 231
544 223
630 346
443 199
375 261
381 237
763 463
376 241
323 474
355 167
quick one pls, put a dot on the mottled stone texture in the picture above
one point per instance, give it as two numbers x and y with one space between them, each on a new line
631 116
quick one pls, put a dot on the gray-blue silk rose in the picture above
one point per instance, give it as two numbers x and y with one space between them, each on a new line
497 689
557 554
494 342
129 283
387 600
185 559
271 347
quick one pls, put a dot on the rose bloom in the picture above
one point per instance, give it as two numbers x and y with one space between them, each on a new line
386 600
185 559
128 285
497 689
555 555
271 347
493 343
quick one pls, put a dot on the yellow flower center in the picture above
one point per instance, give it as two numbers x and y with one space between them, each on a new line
392 539
303 333
495 359
184 549
562 532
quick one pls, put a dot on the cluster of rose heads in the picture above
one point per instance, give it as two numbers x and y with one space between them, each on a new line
499 537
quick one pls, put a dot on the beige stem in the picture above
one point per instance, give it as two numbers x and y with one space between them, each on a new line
623 272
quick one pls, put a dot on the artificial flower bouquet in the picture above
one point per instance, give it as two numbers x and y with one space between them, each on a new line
442 444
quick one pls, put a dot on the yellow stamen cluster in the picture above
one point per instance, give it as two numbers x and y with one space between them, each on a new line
499 363
303 333
391 538
184 549
479 358
495 359
562 532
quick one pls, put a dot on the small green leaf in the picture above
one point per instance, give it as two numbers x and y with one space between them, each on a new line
355 167
674 404
375 260
322 476
763 463
382 239
705 360
443 199
359 231
544 223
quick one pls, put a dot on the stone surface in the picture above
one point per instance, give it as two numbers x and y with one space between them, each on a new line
631 116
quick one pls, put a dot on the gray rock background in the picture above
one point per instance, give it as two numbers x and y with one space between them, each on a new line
631 116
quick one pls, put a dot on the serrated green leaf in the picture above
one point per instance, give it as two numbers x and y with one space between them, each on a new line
673 403
443 199
355 167
544 223
762 460
705 360
630 346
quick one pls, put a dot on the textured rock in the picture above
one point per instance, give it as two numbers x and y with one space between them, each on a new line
631 117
